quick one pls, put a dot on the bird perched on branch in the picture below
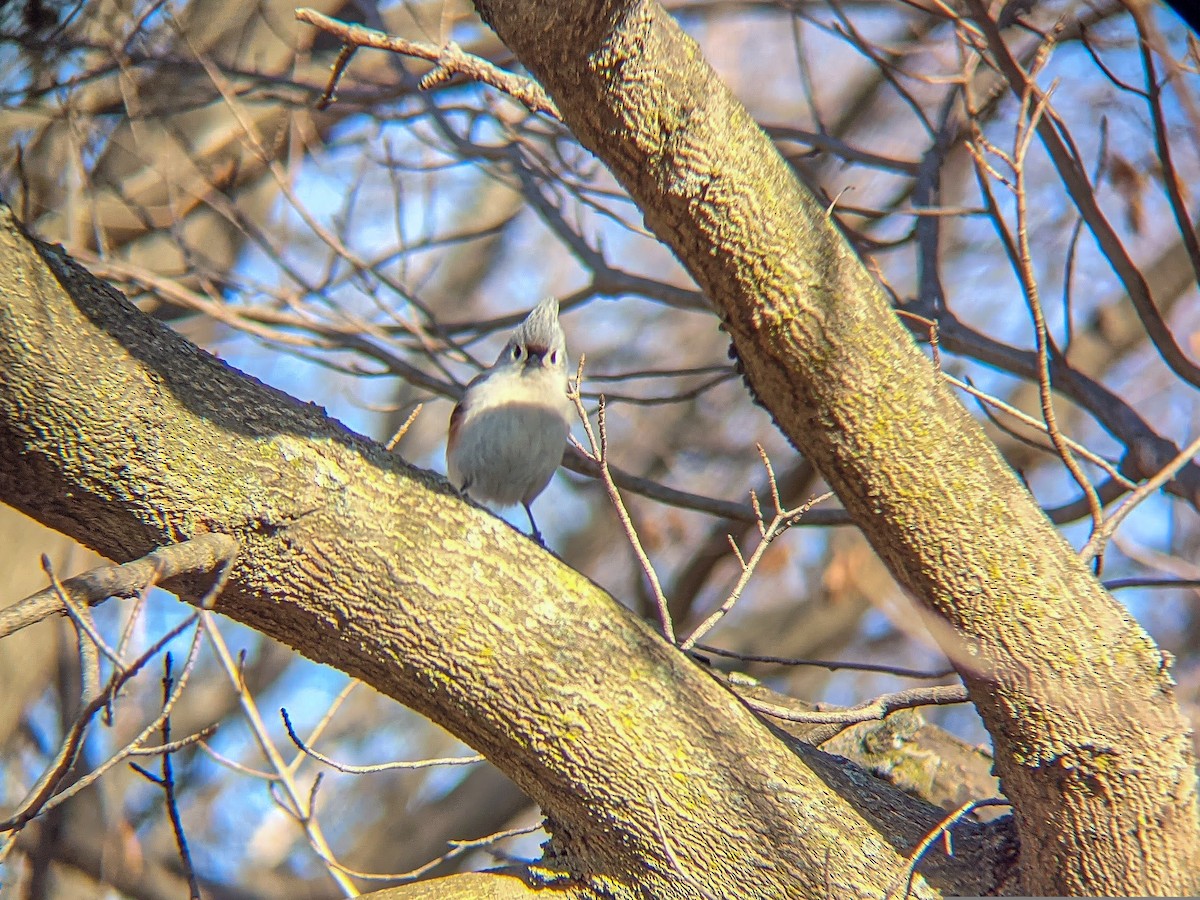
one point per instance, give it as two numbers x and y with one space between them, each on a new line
508 432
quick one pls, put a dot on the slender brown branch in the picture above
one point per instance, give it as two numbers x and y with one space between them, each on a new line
599 455
379 767
203 553
941 829
1171 179
448 59
938 695
832 664
1074 177
1075 446
1043 346
1100 538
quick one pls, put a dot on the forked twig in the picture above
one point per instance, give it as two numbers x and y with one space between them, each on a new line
44 795
1101 536
1065 156
782 521
599 455
167 782
297 806
449 59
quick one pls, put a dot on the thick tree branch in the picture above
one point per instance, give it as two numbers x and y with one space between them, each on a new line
1088 736
122 434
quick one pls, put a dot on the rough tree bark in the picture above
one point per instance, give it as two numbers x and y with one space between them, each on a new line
656 781
1090 744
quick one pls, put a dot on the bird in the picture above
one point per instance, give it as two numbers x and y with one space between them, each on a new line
508 431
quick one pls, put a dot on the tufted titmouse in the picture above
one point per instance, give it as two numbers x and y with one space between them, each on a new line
508 432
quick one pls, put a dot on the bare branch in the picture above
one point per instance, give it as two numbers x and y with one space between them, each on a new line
203 553
448 60
940 695
599 456
379 767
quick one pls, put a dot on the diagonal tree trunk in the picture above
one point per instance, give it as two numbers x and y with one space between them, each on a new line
1090 744
657 782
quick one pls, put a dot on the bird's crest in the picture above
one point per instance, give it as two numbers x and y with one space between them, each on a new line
541 328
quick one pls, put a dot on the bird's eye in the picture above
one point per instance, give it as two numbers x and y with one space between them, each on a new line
554 357
516 352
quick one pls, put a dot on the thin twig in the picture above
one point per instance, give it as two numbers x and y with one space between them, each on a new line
832 665
934 338
1076 447
1164 562
131 619
234 766
783 520
176 745
138 742
89 671
1118 584
942 828
296 805
448 59
380 767
323 723
1101 536
599 455
81 615
879 708
338 69
403 429
579 460
457 848
168 785
1025 273
259 148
